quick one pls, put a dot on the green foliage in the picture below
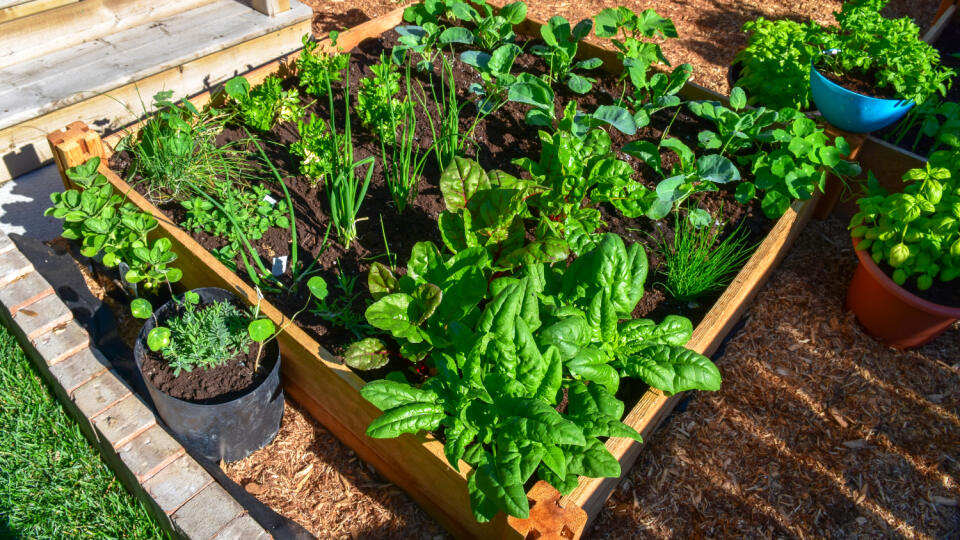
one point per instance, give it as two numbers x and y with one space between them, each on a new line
317 148
917 232
788 155
697 261
631 34
205 336
487 210
341 310
104 223
490 30
318 69
560 51
405 162
934 119
501 369
263 106
444 117
376 105
500 86
177 145
777 58
578 165
248 208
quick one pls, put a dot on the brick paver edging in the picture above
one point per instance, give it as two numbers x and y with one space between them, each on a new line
151 464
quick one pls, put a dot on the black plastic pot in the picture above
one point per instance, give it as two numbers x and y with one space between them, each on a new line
231 429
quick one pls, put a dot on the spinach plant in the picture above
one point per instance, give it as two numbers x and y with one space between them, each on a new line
503 369
561 50
916 232
263 106
103 222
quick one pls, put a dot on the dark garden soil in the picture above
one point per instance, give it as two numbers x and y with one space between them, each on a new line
218 384
941 292
499 139
215 385
861 83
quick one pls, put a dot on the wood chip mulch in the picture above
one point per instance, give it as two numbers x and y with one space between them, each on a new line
818 431
309 476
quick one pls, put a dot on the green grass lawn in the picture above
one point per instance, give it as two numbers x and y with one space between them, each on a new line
53 483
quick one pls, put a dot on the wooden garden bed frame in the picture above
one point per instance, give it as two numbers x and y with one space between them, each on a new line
330 390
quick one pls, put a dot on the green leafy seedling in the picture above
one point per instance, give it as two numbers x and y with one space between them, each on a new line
158 338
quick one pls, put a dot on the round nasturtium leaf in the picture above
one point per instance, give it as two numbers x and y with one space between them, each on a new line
261 330
158 338
141 308
191 297
318 287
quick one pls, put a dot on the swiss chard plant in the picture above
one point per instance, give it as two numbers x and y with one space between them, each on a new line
487 210
560 51
916 232
526 383
104 223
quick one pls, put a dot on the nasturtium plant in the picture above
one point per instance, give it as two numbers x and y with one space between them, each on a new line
916 232
540 337
103 222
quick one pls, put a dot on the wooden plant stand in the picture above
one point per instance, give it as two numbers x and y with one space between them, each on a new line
330 390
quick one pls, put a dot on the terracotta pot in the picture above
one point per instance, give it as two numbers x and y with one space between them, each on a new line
889 312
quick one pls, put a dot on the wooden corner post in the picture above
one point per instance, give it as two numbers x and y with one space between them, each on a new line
72 146
271 7
550 519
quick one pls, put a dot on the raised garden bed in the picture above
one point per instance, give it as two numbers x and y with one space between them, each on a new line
330 390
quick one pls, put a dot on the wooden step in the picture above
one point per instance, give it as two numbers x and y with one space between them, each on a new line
16 9
98 80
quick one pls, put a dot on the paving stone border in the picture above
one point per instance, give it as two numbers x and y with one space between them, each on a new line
180 494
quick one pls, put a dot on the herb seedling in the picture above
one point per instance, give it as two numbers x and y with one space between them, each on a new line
263 106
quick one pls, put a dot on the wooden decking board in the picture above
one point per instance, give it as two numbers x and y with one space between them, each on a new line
68 76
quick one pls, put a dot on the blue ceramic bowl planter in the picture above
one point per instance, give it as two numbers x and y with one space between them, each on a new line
851 111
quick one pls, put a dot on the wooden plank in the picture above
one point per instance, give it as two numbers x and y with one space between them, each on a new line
16 10
77 23
271 7
23 147
38 86
933 34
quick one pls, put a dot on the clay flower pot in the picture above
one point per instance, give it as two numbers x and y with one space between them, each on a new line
889 312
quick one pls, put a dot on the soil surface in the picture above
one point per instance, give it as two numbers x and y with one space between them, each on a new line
861 83
218 384
498 140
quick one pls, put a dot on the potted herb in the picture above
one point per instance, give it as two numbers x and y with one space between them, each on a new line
863 74
212 368
908 245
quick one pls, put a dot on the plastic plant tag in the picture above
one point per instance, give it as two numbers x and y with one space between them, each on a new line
279 266
270 199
